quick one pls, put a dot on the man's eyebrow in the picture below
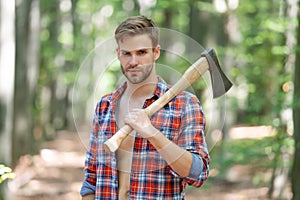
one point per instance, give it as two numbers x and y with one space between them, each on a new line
124 50
141 49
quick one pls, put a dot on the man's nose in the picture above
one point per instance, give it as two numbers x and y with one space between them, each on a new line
133 61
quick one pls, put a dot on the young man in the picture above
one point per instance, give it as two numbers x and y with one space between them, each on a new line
164 152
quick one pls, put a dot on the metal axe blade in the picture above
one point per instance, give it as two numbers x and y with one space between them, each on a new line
220 83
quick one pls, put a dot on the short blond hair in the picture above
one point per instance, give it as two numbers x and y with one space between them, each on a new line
137 25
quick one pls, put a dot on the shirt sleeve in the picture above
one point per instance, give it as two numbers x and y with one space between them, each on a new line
196 167
192 138
90 176
87 188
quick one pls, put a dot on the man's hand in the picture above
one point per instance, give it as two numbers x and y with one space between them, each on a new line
89 197
140 122
178 158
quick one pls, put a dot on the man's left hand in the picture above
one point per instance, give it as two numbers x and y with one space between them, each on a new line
140 122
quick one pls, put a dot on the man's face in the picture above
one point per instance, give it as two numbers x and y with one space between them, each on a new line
137 56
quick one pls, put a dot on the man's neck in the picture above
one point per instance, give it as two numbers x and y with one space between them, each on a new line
142 90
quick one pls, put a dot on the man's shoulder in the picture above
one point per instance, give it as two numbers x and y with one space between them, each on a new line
113 96
106 98
187 96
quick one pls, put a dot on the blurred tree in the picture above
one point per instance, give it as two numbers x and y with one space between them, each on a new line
7 68
296 114
27 65
50 48
283 150
7 75
209 26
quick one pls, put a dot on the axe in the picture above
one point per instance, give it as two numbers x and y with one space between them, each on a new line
220 85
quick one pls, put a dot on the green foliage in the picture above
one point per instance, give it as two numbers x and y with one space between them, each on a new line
256 62
260 58
5 173
260 155
243 151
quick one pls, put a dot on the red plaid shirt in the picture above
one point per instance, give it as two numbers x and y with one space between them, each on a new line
181 120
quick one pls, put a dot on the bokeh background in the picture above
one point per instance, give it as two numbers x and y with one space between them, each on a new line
57 58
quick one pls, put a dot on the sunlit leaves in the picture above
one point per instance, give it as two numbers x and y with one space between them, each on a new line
5 173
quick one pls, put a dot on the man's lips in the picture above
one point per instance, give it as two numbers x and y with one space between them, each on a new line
134 70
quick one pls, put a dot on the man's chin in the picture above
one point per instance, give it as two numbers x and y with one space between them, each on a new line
135 80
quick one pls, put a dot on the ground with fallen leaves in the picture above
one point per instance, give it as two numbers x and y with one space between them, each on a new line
57 173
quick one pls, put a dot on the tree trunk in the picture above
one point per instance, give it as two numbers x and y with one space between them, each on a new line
22 119
296 119
27 51
210 30
283 158
281 167
48 97
296 115
7 71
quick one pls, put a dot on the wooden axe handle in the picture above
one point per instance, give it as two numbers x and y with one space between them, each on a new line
194 72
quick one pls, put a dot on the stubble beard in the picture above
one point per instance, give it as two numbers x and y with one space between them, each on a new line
145 72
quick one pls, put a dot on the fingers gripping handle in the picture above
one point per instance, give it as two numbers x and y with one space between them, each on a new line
189 77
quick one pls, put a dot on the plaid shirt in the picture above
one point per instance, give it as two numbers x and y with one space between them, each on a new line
181 120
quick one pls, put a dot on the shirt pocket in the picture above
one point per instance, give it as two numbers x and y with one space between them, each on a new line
168 122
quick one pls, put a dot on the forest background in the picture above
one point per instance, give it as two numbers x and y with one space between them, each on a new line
57 57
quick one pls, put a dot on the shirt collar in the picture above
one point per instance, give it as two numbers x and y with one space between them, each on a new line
162 87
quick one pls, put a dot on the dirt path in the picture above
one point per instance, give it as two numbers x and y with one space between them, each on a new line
57 172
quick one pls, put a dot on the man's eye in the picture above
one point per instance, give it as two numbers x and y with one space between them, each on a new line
142 52
124 53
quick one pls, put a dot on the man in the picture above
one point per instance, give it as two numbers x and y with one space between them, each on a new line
164 153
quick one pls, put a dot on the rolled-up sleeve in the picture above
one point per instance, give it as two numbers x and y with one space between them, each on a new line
90 169
196 167
192 138
87 188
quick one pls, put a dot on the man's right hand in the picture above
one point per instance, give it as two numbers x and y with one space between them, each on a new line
88 197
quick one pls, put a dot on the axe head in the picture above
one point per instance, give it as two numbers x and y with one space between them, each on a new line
220 83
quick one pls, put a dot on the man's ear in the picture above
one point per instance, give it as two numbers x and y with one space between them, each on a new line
118 51
156 52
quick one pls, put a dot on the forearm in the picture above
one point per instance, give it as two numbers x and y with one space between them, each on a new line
89 197
178 158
